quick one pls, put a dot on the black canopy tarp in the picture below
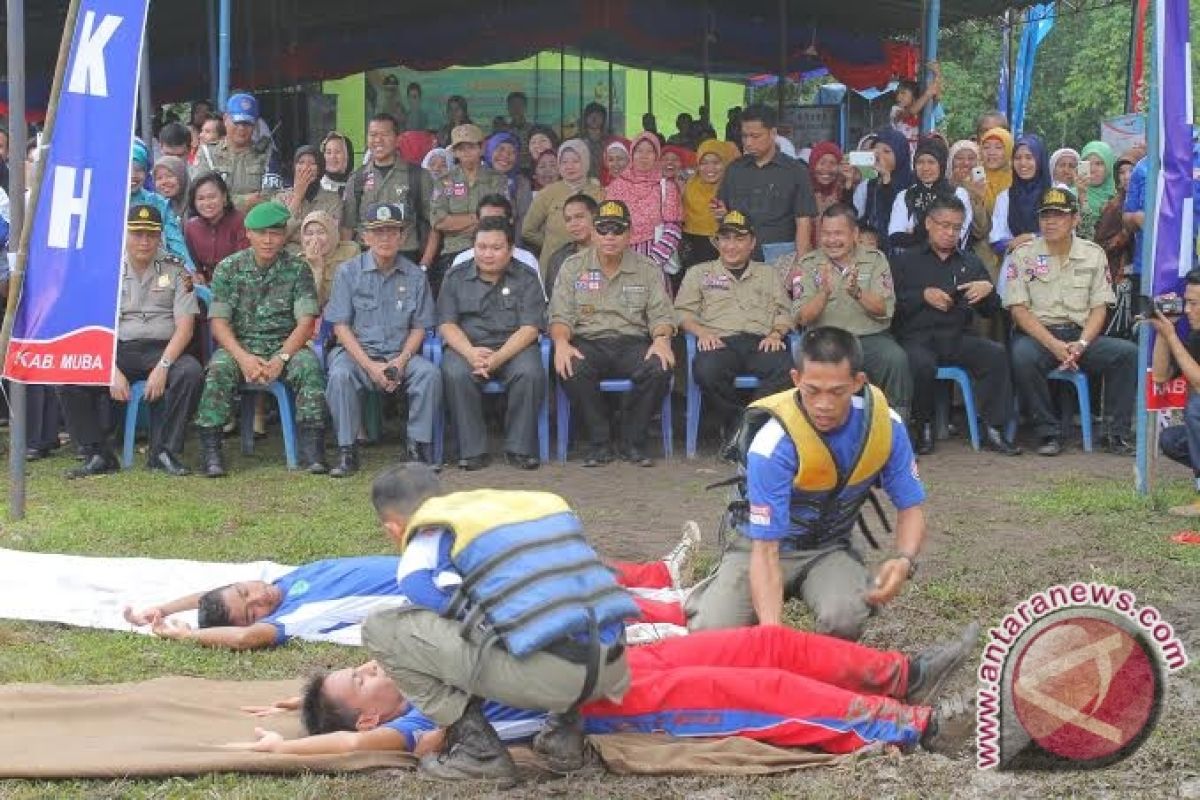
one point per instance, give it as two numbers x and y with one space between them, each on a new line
284 42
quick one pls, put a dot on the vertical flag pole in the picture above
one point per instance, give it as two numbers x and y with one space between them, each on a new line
16 76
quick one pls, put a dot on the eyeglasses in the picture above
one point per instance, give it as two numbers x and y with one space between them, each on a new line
611 228
947 226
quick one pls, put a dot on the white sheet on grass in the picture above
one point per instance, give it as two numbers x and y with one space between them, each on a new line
92 592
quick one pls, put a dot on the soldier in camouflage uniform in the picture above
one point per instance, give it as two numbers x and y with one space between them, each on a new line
262 313
243 163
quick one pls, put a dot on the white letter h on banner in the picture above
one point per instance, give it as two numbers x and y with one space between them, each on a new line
65 205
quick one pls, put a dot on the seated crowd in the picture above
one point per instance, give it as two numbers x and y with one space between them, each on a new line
438 270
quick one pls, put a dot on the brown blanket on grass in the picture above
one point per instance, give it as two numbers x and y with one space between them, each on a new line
175 726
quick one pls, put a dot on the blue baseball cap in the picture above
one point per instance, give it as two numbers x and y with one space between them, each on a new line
242 108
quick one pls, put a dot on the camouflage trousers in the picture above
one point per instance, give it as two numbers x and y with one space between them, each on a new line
303 375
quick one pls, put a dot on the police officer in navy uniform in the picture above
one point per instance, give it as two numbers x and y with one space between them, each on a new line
157 316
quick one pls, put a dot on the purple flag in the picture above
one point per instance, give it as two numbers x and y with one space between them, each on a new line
1172 237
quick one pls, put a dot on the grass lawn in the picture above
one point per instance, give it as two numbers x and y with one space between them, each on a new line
1040 530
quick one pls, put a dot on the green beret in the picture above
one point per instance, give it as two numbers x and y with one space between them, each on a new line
267 215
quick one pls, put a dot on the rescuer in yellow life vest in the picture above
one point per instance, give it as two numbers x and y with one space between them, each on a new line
509 603
810 468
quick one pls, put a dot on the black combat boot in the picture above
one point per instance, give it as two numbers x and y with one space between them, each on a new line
473 751
313 450
212 463
347 463
929 669
560 742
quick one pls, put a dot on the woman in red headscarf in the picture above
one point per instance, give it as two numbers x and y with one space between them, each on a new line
653 201
832 181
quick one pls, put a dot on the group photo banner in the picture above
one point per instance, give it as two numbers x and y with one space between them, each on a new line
64 331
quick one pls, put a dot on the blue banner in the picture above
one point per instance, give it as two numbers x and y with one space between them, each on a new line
66 319
1171 237
1038 22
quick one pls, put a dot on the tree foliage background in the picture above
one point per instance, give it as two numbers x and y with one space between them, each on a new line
1079 75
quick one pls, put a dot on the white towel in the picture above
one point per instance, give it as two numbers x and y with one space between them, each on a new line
93 592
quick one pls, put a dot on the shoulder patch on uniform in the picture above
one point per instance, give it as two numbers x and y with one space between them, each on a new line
767 438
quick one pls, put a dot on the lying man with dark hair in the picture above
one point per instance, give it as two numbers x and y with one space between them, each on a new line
333 594
317 598
771 683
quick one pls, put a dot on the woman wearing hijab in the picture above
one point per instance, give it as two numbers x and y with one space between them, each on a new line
906 228
324 251
437 162
616 159
412 146
172 233
996 150
1014 218
1064 166
699 197
829 180
965 159
653 202
875 198
1097 188
544 228
306 195
339 162
171 181
502 152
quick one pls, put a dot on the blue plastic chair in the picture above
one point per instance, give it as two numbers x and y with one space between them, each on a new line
1079 380
287 417
963 379
694 397
497 387
132 409
1082 390
614 386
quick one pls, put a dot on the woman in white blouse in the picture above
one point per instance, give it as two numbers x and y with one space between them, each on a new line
907 226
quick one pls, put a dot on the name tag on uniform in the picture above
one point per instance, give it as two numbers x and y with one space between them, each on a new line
164 281
400 295
633 289
717 281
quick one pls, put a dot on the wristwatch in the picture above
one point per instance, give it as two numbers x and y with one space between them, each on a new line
284 357
164 362
912 564
1083 343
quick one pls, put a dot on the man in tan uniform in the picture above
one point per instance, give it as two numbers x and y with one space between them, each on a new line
610 318
388 180
245 166
850 287
1058 292
456 198
738 311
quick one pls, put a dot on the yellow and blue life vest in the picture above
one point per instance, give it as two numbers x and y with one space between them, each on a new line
820 486
527 570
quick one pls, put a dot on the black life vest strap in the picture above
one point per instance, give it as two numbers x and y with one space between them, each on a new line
462 596
482 607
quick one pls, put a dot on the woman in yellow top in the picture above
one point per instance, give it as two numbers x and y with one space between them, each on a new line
699 195
544 228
